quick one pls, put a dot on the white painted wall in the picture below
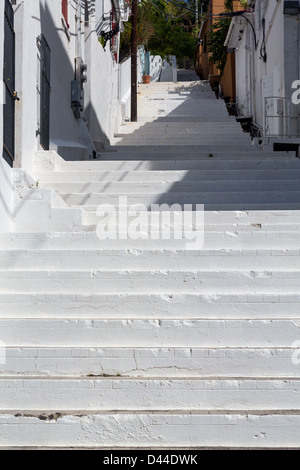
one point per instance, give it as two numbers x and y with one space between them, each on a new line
125 88
169 70
5 170
72 138
102 103
31 19
256 79
102 107
155 67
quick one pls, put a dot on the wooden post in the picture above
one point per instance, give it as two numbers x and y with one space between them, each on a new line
134 62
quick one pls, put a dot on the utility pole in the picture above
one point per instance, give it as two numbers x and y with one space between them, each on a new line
134 61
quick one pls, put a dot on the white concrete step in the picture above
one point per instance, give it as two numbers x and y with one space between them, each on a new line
167 176
145 333
213 240
183 124
170 134
128 281
239 198
123 394
194 149
162 430
173 362
182 187
40 259
198 141
251 221
176 164
275 305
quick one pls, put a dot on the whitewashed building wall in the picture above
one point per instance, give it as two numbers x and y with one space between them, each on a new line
72 137
258 79
5 170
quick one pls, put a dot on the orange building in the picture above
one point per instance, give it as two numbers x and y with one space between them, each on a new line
204 66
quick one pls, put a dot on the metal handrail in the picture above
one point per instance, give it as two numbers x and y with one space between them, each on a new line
283 115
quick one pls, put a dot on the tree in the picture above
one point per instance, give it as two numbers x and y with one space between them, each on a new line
164 29
218 35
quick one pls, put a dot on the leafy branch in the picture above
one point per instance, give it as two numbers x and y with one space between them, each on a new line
217 37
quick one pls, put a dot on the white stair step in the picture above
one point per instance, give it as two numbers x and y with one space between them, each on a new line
151 362
173 223
165 176
213 240
157 394
230 197
149 281
242 220
196 187
283 259
215 207
153 306
149 333
148 430
196 149
182 148
179 163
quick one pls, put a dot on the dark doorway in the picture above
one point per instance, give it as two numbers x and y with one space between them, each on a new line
45 89
9 85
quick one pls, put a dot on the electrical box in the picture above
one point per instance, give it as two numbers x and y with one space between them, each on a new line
75 91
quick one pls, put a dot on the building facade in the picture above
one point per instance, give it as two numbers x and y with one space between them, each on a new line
266 45
61 85
205 67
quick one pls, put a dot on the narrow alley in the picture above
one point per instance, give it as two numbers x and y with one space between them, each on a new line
144 342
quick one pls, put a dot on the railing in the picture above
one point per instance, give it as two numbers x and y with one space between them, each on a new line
281 117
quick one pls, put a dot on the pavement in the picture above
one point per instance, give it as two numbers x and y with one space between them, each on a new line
187 75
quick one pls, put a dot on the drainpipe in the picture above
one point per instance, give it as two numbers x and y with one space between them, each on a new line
252 49
78 16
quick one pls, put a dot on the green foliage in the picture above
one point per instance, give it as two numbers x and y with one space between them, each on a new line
216 41
228 4
164 29
218 35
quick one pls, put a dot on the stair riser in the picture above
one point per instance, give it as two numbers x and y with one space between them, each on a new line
205 152
212 241
148 430
155 261
177 163
91 218
152 306
124 394
239 198
165 176
135 362
142 187
159 283
149 333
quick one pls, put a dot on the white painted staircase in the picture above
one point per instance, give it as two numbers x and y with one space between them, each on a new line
147 343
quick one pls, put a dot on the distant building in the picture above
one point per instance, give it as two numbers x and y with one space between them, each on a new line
266 45
205 68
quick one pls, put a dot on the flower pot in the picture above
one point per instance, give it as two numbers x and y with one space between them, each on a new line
146 79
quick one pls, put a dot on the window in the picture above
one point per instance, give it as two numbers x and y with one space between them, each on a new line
86 12
64 8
